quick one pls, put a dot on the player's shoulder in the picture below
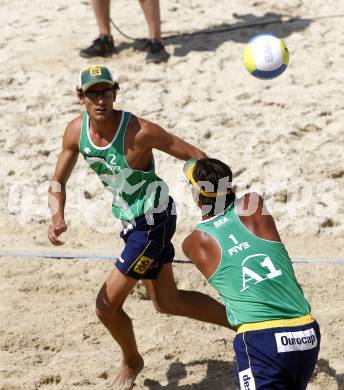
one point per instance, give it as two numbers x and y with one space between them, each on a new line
75 124
147 128
137 127
72 132
196 240
144 123
134 122
146 133
203 250
250 204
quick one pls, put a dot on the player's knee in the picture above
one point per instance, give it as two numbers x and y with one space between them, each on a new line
168 306
100 313
104 309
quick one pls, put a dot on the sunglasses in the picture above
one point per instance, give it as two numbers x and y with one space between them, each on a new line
104 93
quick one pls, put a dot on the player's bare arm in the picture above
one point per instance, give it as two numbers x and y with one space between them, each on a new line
203 251
57 189
152 136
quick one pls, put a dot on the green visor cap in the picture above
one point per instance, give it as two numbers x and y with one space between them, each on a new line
93 75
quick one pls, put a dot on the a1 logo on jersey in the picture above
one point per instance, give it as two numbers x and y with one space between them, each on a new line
255 271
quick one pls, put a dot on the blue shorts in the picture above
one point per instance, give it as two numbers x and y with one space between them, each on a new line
277 358
148 243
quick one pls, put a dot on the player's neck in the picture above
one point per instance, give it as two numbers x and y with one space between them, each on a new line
105 126
207 216
214 212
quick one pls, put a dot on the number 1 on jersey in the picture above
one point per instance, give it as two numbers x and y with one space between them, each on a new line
231 236
267 263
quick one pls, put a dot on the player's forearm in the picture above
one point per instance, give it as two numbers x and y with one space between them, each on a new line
185 151
57 201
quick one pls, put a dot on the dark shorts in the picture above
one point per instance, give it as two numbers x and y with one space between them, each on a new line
276 359
148 244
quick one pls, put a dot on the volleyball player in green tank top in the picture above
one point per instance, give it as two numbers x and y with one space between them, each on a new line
118 147
237 248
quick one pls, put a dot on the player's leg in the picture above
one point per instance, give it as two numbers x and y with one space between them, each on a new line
168 299
110 312
101 10
102 46
162 287
156 52
151 10
135 260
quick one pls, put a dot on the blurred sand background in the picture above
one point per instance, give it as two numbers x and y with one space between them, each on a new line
284 138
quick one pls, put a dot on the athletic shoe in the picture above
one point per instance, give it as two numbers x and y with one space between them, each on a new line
156 52
103 46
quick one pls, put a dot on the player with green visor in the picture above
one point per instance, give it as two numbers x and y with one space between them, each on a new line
118 146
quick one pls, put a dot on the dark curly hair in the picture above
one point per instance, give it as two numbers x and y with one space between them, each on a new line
219 175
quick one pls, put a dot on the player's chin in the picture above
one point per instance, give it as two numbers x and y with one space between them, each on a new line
102 114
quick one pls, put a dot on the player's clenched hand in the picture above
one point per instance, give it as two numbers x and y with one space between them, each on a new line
54 232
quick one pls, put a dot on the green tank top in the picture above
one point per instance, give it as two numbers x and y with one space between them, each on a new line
135 192
255 278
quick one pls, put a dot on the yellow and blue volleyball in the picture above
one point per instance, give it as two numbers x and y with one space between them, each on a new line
266 56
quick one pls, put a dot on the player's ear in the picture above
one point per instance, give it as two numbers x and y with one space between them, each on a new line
80 95
115 89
